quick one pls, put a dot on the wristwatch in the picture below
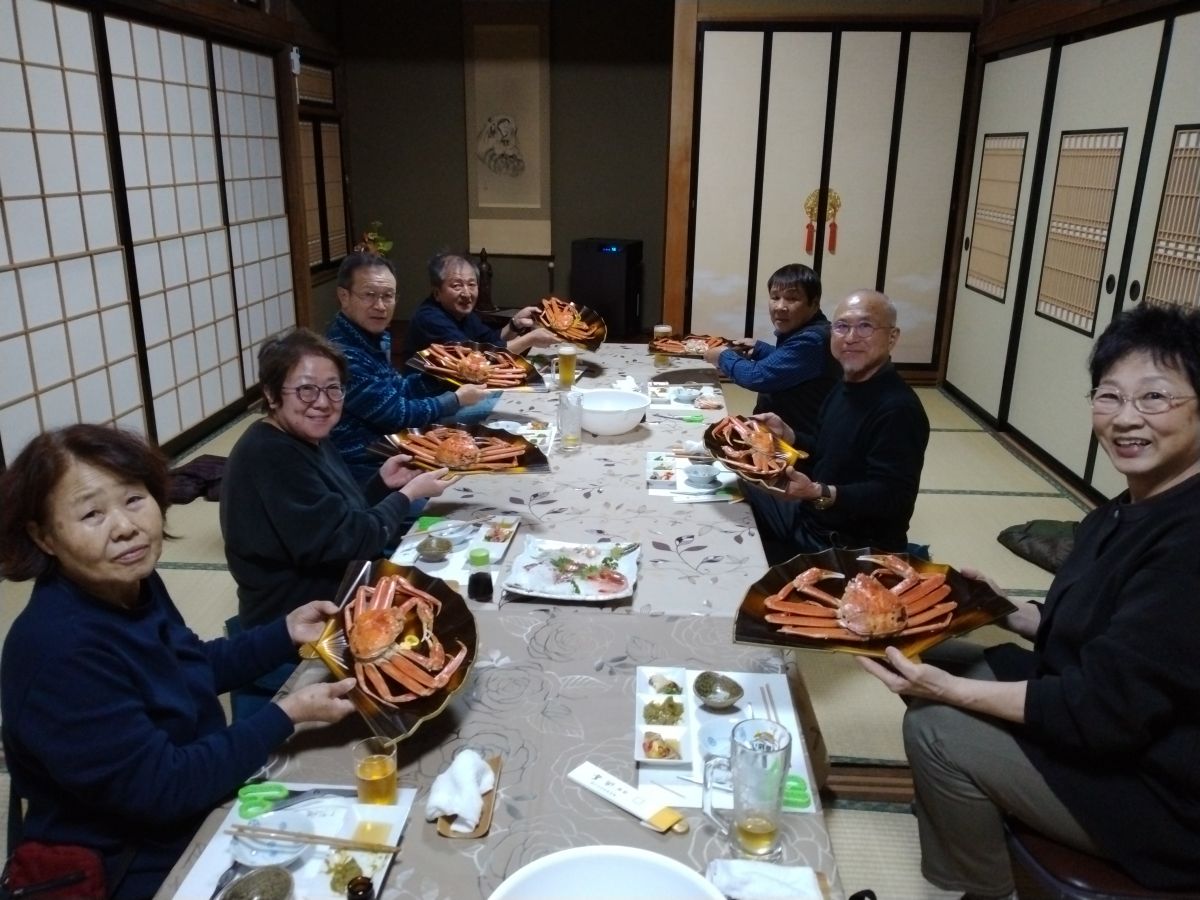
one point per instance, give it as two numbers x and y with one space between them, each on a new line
825 500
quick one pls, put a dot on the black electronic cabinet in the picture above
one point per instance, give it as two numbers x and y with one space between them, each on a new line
606 274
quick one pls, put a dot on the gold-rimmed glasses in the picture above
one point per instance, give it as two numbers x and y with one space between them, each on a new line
1107 401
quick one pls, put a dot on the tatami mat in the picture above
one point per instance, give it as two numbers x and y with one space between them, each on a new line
879 850
976 461
961 530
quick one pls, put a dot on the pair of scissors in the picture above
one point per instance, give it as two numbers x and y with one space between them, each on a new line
687 417
256 799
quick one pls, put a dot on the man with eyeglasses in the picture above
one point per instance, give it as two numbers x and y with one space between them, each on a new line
448 316
794 376
379 400
860 483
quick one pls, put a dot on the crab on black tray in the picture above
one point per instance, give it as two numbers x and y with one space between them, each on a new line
406 637
468 362
465 449
751 451
578 324
692 346
861 601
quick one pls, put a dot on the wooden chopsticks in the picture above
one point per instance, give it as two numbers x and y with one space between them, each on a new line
296 837
769 702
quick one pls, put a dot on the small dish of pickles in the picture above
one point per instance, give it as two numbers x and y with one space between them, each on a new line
662 729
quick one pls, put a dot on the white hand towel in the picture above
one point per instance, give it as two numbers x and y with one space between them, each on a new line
746 879
459 791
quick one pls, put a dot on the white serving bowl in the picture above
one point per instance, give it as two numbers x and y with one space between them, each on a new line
611 412
601 873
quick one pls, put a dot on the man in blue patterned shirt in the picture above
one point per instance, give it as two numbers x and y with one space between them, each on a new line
379 400
793 377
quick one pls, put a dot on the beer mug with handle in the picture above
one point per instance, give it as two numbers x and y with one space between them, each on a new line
757 766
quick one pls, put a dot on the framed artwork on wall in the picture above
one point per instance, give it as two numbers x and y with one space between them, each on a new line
507 76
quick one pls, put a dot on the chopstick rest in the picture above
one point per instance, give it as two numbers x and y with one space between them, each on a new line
459 791
445 824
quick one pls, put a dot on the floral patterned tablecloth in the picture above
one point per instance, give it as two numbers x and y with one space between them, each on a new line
551 688
697 558
553 683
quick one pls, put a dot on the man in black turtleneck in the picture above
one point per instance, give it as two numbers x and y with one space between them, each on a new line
860 484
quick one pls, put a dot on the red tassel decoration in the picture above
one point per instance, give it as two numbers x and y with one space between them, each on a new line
832 238
810 231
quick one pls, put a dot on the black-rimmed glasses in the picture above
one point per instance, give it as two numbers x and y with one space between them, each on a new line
308 393
1108 402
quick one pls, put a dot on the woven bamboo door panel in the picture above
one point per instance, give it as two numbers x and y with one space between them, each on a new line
1174 278
995 213
1085 186
985 302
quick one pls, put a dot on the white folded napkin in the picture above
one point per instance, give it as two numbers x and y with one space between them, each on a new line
628 383
459 791
746 879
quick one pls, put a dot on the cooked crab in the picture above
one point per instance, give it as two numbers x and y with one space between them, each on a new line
867 609
458 449
693 343
376 622
748 446
489 366
564 319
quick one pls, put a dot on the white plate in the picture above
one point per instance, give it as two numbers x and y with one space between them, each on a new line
261 851
533 574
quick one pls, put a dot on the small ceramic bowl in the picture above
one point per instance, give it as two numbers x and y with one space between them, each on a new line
267 883
717 691
716 739
458 533
434 549
700 474
686 393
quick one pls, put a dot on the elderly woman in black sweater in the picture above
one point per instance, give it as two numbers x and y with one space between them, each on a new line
292 515
1091 737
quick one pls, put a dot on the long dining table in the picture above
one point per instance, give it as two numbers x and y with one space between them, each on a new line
553 683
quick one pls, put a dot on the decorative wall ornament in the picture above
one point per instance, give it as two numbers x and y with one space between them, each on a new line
833 203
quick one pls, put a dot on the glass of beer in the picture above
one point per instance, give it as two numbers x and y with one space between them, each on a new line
757 766
375 770
564 366
661 331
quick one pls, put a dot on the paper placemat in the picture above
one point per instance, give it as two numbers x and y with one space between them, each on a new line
330 816
455 566
680 785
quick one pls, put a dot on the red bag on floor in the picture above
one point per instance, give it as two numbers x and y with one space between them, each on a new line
48 871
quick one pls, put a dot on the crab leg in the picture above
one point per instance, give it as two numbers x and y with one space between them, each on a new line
793 619
926 599
375 685
927 615
800 607
823 633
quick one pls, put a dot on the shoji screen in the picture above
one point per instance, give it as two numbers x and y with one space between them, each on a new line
258 232
168 148
67 350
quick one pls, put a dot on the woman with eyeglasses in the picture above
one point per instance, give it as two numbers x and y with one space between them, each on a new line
292 514
1091 737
